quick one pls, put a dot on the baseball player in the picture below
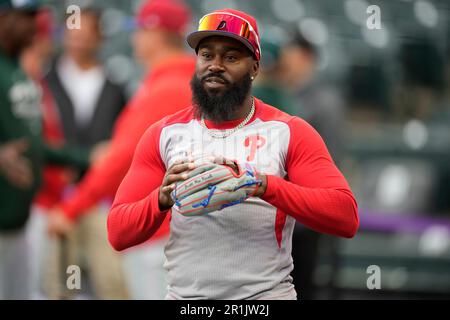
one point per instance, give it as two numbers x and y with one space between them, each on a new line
235 174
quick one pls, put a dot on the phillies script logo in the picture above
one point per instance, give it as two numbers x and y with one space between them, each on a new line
254 142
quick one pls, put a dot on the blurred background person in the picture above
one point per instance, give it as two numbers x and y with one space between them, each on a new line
34 59
316 101
86 120
20 118
88 101
269 85
321 105
20 136
158 44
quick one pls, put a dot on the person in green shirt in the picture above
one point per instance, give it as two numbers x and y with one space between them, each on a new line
22 150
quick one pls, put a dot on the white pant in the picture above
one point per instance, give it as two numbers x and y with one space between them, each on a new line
86 246
14 266
39 246
144 274
144 271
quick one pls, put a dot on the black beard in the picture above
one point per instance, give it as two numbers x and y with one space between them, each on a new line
219 107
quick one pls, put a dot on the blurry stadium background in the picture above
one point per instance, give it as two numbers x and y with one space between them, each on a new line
397 136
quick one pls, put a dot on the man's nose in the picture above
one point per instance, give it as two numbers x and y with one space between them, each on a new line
216 65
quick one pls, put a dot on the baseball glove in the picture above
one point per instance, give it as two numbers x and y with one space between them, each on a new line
212 186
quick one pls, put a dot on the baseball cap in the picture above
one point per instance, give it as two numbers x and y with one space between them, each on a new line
44 22
172 15
229 23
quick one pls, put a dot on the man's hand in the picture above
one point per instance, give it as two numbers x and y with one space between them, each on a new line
214 186
232 164
58 223
262 188
13 166
177 172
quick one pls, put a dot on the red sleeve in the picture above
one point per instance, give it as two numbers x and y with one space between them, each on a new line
135 216
316 193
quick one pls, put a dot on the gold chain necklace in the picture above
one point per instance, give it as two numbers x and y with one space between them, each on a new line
222 134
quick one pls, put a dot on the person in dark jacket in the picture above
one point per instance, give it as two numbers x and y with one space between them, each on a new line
88 101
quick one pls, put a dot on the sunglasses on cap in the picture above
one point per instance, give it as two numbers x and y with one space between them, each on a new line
230 23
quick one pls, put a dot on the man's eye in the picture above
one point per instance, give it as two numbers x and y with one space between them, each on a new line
230 58
206 55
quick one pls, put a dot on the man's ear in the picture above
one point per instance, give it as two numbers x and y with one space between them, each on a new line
255 68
